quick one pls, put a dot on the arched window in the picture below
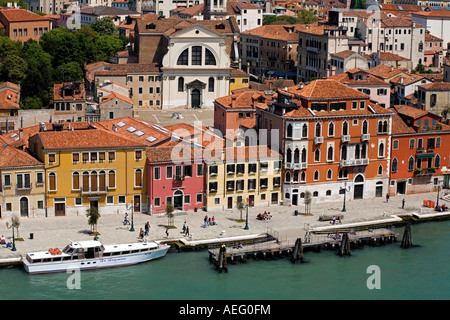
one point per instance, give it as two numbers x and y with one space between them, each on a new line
52 181
365 128
317 155
330 153
138 178
357 152
331 129
380 170
94 183
183 58
344 152
329 174
211 84
381 150
305 131
318 129
102 180
359 178
180 84
385 126
75 181
210 60
303 155
411 164
289 131
296 156
288 177
295 176
303 176
111 179
345 128
85 181
437 161
289 156
363 151
316 175
394 165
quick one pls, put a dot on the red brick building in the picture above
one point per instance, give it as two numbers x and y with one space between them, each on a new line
420 151
332 136
21 24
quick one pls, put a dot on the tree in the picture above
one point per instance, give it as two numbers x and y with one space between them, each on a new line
93 216
69 72
106 47
306 17
240 205
169 211
13 69
104 26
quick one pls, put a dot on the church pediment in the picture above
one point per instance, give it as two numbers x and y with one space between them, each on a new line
195 84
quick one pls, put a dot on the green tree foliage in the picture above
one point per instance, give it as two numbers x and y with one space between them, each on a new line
60 54
104 26
13 69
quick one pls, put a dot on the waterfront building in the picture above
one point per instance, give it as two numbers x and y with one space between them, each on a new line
333 137
247 174
420 151
175 178
90 168
22 181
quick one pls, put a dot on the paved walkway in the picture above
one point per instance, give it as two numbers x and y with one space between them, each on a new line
56 232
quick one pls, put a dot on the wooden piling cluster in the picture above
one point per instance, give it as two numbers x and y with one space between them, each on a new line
407 241
344 242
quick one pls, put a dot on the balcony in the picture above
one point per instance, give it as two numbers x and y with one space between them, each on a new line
318 140
354 162
345 138
300 166
24 187
94 190
312 49
365 137
424 171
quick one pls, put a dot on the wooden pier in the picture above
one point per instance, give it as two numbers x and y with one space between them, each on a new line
278 245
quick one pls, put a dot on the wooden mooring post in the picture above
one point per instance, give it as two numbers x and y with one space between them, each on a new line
407 237
222 260
298 251
344 248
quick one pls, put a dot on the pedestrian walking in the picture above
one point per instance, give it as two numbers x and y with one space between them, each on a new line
126 220
387 197
167 232
184 227
187 231
403 203
147 228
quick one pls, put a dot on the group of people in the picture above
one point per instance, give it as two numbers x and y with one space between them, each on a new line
144 232
209 221
264 216
3 241
308 237
441 208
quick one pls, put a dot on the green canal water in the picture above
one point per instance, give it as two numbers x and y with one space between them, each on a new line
421 272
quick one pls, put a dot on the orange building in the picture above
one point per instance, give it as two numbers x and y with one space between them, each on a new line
333 137
420 151
21 24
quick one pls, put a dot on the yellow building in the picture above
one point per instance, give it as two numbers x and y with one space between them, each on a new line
248 174
22 185
238 80
91 168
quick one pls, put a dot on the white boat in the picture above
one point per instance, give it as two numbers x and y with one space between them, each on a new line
91 254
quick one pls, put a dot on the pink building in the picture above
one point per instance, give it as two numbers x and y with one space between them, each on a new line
179 181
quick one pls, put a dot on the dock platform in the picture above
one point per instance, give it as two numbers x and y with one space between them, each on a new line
279 244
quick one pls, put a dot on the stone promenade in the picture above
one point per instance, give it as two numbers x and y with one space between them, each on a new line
56 232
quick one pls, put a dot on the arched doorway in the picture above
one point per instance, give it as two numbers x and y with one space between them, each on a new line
195 98
24 207
358 187
178 200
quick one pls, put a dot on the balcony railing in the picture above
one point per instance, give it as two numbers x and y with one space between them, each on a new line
424 171
365 137
345 138
318 140
354 162
94 190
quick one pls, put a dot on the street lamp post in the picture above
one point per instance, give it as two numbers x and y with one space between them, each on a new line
246 216
132 216
345 193
438 189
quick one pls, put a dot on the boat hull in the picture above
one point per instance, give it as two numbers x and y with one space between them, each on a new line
95 263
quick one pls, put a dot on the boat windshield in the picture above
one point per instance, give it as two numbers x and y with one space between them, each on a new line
68 249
